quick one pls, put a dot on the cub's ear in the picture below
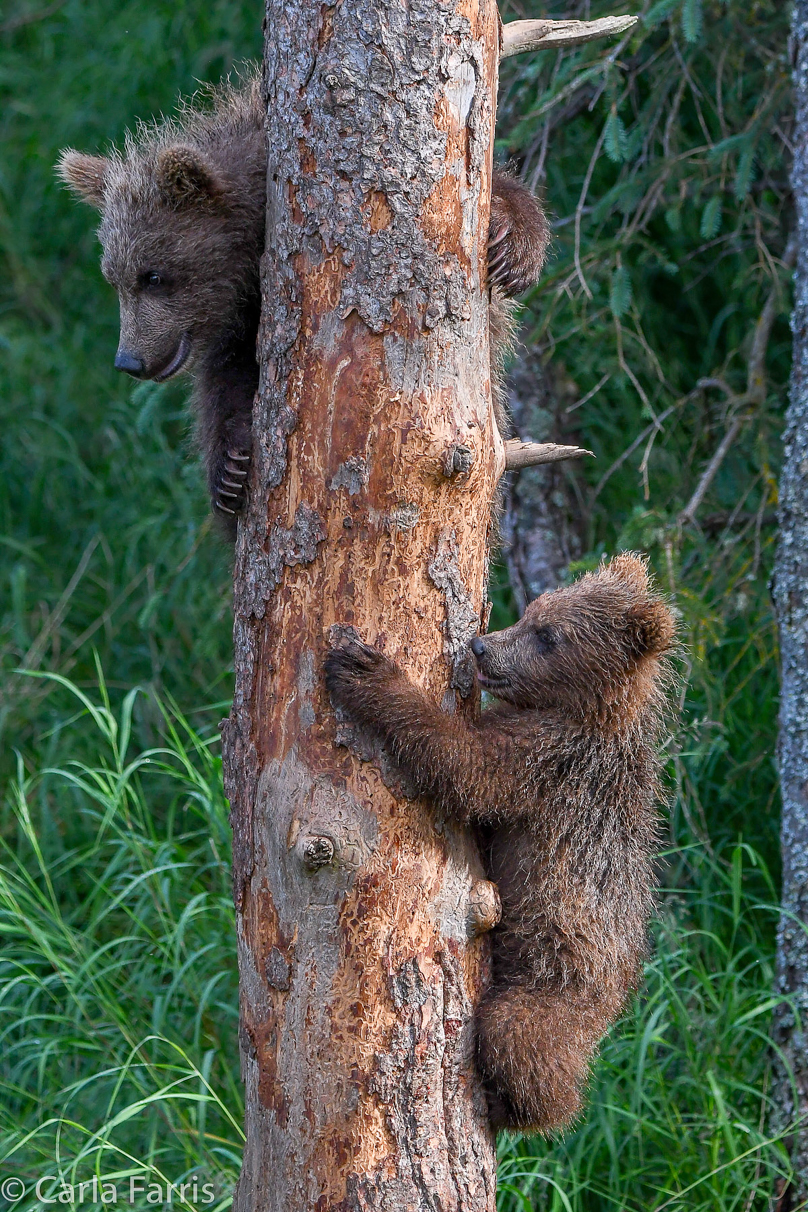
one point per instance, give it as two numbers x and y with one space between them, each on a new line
185 177
85 175
631 568
651 628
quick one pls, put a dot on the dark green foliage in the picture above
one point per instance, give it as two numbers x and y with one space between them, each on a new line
95 475
679 134
666 173
665 169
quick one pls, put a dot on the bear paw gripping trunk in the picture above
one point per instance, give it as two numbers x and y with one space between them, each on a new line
375 462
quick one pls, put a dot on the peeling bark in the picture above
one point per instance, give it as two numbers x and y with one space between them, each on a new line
361 918
790 587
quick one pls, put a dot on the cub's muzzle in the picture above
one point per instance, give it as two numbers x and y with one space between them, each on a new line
124 360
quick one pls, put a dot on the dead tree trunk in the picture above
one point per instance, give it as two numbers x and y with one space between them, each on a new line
542 519
791 602
358 913
376 459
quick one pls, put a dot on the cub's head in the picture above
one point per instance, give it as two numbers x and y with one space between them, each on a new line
584 650
181 245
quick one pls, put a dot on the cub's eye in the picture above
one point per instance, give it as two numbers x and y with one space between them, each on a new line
151 280
154 280
545 638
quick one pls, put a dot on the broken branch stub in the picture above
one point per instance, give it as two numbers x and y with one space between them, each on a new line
520 454
520 36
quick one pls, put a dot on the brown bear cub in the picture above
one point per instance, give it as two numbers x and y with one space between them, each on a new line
563 781
183 212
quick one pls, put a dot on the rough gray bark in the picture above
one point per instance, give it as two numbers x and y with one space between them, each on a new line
359 913
790 588
541 519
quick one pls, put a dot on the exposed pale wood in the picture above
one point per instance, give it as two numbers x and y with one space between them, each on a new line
359 915
531 454
520 36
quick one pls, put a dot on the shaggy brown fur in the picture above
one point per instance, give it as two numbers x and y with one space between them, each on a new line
182 229
562 780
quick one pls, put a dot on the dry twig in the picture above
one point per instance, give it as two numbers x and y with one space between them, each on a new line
740 406
520 36
520 454
23 19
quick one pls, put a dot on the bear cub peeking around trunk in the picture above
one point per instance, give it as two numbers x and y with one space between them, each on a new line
562 780
183 213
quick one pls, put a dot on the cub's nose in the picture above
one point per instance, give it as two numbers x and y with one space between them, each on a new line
477 646
128 362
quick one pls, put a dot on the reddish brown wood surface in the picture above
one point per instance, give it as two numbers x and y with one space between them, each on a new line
355 906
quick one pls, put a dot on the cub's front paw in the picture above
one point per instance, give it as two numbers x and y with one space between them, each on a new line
351 666
517 238
229 488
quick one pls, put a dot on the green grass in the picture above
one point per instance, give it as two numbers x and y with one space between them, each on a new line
118 983
118 996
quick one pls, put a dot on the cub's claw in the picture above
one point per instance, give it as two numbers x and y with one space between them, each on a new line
506 268
230 486
352 663
518 235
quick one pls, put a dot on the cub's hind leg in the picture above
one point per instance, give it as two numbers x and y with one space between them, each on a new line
534 1050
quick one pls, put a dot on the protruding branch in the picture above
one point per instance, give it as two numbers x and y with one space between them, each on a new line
519 36
530 454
